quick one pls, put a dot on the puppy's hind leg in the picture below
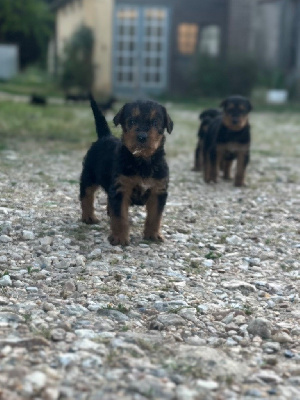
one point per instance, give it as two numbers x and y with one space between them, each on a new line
214 166
87 196
198 158
206 167
154 206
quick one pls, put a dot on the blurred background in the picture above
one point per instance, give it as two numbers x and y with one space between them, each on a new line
169 49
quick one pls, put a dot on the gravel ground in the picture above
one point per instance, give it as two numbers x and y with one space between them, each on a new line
213 313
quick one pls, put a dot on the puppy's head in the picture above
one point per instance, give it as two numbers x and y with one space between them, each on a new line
143 124
235 112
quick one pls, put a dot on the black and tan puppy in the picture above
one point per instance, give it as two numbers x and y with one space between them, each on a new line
205 119
132 170
37 99
227 139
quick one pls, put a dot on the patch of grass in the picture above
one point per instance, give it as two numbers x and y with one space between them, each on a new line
175 310
32 80
286 268
53 125
31 269
222 239
112 291
27 317
112 358
193 369
248 309
78 234
120 307
44 332
2 145
125 328
70 181
212 256
293 178
166 288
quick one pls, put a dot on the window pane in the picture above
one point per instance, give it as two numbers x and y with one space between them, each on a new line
210 40
120 76
127 14
187 35
130 76
155 13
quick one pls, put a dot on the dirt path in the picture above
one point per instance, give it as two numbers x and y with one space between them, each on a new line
213 313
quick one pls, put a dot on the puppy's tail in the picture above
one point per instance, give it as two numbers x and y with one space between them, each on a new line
102 127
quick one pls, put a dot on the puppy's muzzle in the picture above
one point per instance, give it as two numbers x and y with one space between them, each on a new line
142 137
235 120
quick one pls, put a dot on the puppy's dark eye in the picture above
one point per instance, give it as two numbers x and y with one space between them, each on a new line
154 122
131 122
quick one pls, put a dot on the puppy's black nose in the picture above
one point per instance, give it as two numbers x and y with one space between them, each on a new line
142 137
235 121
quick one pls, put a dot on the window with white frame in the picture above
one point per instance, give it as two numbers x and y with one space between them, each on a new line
210 40
126 48
154 53
140 47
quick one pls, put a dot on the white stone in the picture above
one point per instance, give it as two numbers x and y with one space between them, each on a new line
208 385
5 281
28 235
35 381
5 239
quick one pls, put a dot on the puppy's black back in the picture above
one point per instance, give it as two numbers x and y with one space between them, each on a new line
98 163
206 117
209 113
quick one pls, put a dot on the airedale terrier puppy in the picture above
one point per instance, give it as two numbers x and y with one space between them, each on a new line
132 170
228 138
205 118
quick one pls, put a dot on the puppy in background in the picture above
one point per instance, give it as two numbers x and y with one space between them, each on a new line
205 117
227 139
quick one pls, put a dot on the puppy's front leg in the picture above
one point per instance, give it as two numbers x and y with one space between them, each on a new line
242 162
118 204
155 205
226 169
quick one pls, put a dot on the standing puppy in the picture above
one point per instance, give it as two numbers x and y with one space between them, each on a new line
205 117
228 138
132 170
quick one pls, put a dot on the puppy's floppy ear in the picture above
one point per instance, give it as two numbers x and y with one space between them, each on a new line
249 105
119 117
168 123
201 115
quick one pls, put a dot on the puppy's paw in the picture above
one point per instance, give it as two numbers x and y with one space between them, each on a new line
90 219
154 236
118 240
196 169
239 183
